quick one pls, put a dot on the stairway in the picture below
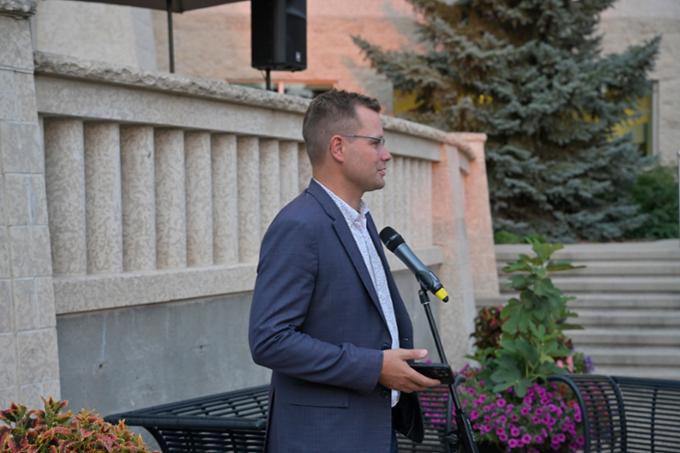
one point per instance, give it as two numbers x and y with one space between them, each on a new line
628 301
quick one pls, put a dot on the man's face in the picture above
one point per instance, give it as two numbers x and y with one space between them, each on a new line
366 158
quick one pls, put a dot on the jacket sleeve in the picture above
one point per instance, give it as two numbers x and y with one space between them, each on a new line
284 289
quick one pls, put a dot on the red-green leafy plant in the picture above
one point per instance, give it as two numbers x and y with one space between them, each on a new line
54 431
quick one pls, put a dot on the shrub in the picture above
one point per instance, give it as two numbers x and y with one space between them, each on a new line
51 431
656 192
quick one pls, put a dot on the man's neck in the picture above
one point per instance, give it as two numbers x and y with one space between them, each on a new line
352 199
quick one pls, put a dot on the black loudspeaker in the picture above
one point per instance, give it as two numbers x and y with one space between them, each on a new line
279 34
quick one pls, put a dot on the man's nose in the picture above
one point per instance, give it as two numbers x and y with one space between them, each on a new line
385 154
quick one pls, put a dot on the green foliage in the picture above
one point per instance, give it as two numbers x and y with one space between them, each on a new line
532 339
505 237
51 430
530 74
656 192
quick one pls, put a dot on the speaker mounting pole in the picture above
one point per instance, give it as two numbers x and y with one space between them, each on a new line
268 78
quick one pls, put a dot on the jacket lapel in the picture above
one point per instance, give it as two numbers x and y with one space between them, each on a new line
347 240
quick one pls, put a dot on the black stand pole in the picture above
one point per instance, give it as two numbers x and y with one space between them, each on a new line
268 79
171 42
465 435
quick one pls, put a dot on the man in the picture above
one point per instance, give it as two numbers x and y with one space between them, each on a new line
326 315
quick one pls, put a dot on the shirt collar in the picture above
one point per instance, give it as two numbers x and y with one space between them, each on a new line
350 214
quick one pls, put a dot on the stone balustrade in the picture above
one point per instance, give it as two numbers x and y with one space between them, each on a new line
142 212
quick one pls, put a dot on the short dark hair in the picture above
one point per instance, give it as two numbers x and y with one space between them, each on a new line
331 113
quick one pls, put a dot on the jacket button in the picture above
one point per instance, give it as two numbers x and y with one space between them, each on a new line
385 393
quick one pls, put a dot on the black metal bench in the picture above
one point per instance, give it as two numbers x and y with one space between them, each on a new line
621 415
236 421
626 414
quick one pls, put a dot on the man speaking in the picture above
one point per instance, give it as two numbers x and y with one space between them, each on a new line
326 315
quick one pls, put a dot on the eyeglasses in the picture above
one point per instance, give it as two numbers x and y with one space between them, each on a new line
379 142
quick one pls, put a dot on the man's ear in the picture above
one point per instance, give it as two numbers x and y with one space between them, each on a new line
336 147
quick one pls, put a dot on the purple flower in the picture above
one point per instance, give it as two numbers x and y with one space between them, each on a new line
501 402
514 431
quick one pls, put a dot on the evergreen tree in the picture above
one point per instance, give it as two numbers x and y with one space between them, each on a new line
532 76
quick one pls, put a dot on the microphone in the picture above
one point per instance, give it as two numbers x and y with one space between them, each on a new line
395 243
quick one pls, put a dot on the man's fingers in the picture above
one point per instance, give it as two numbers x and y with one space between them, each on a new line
412 354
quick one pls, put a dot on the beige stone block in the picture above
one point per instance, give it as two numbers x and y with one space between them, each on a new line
16 49
8 96
171 251
225 198
270 182
103 205
199 199
8 396
33 303
5 270
30 251
249 199
139 204
6 307
25 312
37 356
20 148
8 358
31 395
65 187
26 109
18 193
38 200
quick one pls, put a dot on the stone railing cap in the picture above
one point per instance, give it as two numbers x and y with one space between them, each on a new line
19 8
71 67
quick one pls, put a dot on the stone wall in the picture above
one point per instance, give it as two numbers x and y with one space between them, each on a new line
134 204
28 335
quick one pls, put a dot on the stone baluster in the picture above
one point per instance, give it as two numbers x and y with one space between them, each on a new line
225 198
103 200
199 208
139 204
304 167
399 198
171 250
65 186
270 182
248 164
289 171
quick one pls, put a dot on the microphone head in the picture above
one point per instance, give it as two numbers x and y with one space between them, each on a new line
391 238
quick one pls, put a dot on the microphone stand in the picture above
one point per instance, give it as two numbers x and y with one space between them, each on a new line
465 434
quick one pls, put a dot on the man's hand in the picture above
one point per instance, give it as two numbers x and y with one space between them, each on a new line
396 374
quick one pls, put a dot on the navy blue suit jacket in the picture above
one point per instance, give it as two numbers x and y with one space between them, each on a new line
316 322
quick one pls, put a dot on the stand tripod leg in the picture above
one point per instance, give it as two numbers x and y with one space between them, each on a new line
465 433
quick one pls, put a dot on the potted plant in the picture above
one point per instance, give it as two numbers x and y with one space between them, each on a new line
511 403
52 430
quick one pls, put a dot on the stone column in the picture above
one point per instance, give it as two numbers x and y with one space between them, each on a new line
225 198
29 362
289 171
199 199
478 217
270 182
248 169
304 167
139 202
456 319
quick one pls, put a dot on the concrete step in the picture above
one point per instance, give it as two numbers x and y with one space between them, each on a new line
667 301
632 318
617 268
643 372
624 337
632 251
619 284
634 356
